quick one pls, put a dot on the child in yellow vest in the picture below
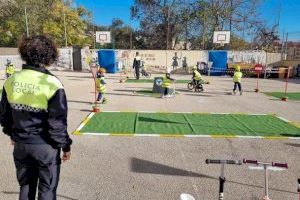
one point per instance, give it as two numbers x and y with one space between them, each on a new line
100 86
166 84
10 69
197 79
237 78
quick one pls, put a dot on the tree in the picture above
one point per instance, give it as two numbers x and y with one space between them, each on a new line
160 26
237 16
266 38
120 34
44 17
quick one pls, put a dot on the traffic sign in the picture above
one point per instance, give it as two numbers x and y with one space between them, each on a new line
258 68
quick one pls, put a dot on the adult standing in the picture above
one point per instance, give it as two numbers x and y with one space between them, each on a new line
137 65
33 112
175 61
184 63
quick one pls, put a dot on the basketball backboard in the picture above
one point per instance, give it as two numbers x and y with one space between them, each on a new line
103 37
221 37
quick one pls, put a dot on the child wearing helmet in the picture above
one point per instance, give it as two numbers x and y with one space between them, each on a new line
237 78
167 83
100 85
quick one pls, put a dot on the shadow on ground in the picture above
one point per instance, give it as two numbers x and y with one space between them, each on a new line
293 144
76 101
148 119
144 166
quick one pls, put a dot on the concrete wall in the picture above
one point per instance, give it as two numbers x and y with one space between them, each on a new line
8 51
64 61
161 58
158 59
273 58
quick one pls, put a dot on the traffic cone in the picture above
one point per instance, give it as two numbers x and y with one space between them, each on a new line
96 107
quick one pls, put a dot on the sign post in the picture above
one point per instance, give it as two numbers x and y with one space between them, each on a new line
285 98
258 69
94 71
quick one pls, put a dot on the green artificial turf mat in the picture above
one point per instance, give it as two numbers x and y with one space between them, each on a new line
291 96
150 93
162 123
189 124
248 125
106 122
151 81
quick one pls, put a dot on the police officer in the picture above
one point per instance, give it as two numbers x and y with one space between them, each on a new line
136 65
33 113
10 69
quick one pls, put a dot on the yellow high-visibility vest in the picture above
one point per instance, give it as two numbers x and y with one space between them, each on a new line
10 69
31 88
166 82
99 86
237 77
197 75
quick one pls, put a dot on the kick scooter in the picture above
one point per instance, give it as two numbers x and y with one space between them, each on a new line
266 167
222 176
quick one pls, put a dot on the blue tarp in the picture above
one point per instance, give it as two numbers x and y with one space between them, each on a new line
107 60
219 59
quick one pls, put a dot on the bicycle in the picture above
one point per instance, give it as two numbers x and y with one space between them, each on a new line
143 71
193 85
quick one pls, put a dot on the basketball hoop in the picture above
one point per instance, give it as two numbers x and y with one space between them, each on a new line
221 38
103 37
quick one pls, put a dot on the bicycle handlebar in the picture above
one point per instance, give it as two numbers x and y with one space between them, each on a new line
232 162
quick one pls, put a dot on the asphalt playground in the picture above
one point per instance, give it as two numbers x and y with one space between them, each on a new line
126 167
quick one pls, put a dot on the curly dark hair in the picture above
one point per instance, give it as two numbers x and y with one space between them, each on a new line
38 50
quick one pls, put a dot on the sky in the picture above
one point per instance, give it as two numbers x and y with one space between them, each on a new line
105 10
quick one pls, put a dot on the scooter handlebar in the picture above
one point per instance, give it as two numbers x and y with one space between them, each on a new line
250 161
231 162
280 165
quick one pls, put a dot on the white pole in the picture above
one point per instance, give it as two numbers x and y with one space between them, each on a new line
26 22
66 39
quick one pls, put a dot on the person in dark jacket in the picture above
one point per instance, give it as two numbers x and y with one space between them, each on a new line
33 113
137 65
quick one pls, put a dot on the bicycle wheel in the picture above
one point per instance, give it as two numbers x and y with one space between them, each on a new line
190 86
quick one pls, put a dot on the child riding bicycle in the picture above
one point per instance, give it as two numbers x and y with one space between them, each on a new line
197 79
